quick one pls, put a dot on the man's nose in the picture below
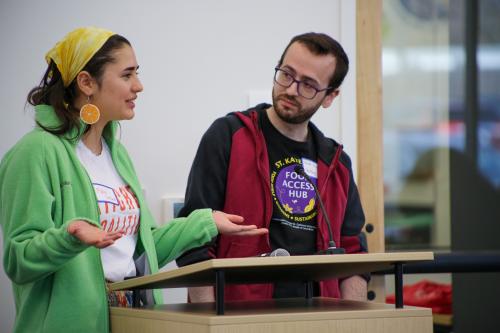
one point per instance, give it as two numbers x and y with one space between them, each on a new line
293 90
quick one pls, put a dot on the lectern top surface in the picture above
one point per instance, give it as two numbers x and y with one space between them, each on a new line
272 269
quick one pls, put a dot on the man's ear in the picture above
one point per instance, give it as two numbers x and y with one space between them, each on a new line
86 83
329 98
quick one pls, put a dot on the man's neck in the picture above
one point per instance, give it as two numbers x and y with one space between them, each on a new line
296 132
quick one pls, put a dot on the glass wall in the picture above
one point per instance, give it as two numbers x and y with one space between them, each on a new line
416 64
441 99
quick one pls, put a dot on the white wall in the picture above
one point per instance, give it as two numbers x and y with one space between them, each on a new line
199 59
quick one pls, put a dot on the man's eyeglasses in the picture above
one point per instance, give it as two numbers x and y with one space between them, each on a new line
305 89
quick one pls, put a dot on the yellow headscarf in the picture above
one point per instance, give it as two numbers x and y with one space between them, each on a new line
73 52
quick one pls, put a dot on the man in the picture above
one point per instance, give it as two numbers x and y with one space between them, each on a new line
246 163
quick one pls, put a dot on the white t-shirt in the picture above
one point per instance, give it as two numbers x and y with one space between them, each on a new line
118 210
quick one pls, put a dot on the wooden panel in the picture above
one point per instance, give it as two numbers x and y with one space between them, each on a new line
286 315
369 125
244 312
377 325
126 324
382 325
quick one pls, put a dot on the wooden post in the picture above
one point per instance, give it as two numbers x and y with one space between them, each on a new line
369 127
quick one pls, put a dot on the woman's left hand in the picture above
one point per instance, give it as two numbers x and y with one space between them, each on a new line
228 224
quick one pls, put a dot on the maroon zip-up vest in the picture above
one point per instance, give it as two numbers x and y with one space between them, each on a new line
248 193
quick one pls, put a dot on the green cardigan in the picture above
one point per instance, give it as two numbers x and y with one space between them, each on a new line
58 282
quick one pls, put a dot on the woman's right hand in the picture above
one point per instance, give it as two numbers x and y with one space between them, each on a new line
92 235
228 224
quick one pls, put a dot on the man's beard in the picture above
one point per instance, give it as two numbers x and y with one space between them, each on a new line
294 117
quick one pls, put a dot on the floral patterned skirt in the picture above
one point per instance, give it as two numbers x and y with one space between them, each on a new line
120 298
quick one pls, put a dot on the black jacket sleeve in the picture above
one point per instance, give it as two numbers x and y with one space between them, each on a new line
206 186
354 218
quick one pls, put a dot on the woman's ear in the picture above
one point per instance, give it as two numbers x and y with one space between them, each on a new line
86 83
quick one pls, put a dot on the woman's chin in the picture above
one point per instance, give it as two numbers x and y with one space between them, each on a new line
129 115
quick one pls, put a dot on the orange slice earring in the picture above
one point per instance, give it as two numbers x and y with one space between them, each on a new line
89 113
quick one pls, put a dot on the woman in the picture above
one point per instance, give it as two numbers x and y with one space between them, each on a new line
72 211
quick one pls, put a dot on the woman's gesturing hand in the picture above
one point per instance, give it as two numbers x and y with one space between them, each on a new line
229 224
92 235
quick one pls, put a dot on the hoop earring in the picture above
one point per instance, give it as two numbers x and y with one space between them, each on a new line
89 113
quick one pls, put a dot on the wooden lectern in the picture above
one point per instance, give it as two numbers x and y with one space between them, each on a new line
309 314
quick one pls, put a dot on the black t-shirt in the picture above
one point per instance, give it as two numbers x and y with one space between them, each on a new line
293 224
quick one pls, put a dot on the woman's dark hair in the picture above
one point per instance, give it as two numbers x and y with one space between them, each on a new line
51 90
322 44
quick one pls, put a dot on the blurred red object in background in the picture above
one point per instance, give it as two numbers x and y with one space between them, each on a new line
427 294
